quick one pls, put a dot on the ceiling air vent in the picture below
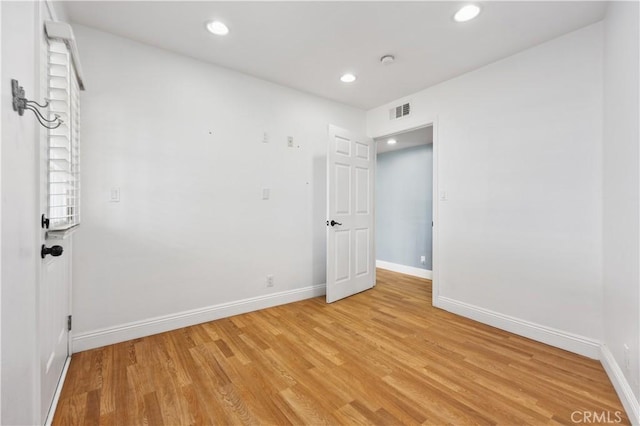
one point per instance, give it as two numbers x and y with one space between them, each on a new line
400 111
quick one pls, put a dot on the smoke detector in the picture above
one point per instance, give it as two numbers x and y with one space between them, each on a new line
387 59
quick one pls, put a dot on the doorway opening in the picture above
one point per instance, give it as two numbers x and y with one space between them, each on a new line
405 202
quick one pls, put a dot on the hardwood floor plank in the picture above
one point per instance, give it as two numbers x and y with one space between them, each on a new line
306 407
383 357
153 413
92 410
72 410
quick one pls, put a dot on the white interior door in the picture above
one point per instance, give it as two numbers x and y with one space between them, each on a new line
350 214
54 334
54 292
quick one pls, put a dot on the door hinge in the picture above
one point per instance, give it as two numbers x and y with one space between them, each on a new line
69 323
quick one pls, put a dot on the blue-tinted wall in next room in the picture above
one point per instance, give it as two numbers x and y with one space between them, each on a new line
404 200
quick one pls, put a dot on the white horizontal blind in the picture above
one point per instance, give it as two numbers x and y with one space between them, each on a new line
64 141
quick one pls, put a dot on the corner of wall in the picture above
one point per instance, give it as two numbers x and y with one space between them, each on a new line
621 385
551 336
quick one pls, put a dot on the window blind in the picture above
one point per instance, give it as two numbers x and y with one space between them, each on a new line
64 141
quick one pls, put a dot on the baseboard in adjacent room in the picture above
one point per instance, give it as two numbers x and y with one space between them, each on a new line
551 336
403 269
148 327
621 385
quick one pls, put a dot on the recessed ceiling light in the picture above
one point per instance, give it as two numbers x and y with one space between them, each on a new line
391 142
466 13
217 28
348 78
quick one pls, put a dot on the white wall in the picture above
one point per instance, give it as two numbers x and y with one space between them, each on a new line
19 233
183 141
519 154
622 189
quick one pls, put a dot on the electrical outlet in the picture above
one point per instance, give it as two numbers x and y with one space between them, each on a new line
627 358
265 137
423 260
269 280
290 141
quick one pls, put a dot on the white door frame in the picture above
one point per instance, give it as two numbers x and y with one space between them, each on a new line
431 122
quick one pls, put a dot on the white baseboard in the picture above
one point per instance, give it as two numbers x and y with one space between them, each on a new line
551 336
403 269
571 342
56 395
134 330
621 385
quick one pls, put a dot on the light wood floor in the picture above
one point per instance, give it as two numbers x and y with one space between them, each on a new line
381 357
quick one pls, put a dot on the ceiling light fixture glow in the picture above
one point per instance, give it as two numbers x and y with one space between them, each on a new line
217 28
466 13
391 142
348 78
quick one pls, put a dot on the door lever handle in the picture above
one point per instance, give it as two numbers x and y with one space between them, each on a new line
333 223
54 251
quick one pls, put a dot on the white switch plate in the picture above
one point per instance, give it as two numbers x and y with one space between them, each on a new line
423 259
290 141
114 195
443 196
266 193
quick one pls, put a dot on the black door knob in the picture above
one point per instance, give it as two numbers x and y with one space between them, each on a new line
333 223
54 251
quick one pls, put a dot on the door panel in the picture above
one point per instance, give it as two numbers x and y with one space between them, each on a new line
54 303
54 290
362 252
350 251
362 151
343 189
342 258
362 191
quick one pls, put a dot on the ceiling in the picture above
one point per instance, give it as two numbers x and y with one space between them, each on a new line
410 139
309 45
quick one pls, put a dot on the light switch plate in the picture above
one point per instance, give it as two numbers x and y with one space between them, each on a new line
114 195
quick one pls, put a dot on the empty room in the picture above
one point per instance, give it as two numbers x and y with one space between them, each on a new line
305 212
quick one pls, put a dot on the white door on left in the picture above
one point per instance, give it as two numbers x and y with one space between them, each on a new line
58 203
55 277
